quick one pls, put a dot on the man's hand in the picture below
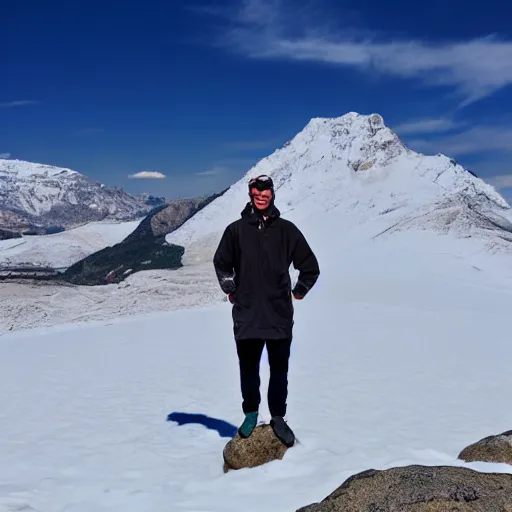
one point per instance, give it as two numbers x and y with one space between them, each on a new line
299 291
230 298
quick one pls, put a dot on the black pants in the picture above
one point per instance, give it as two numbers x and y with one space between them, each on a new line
249 356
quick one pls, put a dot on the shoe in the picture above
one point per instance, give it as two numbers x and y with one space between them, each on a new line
282 431
246 428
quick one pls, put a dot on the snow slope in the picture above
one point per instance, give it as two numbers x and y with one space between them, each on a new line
65 248
401 355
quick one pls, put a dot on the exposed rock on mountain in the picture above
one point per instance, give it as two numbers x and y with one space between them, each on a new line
151 200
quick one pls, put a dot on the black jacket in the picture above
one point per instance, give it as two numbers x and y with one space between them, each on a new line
252 263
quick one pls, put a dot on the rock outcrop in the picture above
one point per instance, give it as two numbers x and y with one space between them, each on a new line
490 449
420 489
260 447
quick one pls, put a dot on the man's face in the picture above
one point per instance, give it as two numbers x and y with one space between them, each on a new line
261 198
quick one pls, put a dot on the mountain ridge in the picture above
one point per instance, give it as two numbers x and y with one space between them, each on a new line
36 197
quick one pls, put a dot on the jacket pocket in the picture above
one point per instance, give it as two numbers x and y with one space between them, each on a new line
282 305
244 300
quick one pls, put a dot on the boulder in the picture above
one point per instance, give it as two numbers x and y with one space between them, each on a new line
260 447
490 449
420 489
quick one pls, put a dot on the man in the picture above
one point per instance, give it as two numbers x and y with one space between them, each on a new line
252 265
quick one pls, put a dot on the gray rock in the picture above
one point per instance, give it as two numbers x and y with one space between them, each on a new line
490 449
420 489
173 215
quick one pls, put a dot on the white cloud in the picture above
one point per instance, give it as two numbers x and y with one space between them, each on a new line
501 181
145 175
476 140
5 156
266 29
18 103
427 126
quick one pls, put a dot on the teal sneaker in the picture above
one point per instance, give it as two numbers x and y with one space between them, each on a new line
246 428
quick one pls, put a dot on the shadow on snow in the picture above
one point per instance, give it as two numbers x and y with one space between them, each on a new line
223 428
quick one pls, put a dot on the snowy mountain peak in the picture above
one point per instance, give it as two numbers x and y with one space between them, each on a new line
357 169
351 122
364 138
35 196
355 150
23 169
350 127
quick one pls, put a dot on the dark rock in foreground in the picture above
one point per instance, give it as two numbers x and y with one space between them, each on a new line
260 447
490 449
420 489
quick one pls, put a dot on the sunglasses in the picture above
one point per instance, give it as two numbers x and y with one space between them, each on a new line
262 182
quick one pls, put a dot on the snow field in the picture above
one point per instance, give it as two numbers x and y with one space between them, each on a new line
382 373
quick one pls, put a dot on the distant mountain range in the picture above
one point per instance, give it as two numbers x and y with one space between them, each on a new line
41 199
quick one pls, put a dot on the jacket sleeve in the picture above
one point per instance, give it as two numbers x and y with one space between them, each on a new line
224 261
304 260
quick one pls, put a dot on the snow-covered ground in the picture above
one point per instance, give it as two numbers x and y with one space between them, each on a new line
63 249
10 243
401 355
25 306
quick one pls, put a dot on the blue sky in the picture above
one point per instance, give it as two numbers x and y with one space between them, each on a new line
199 91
